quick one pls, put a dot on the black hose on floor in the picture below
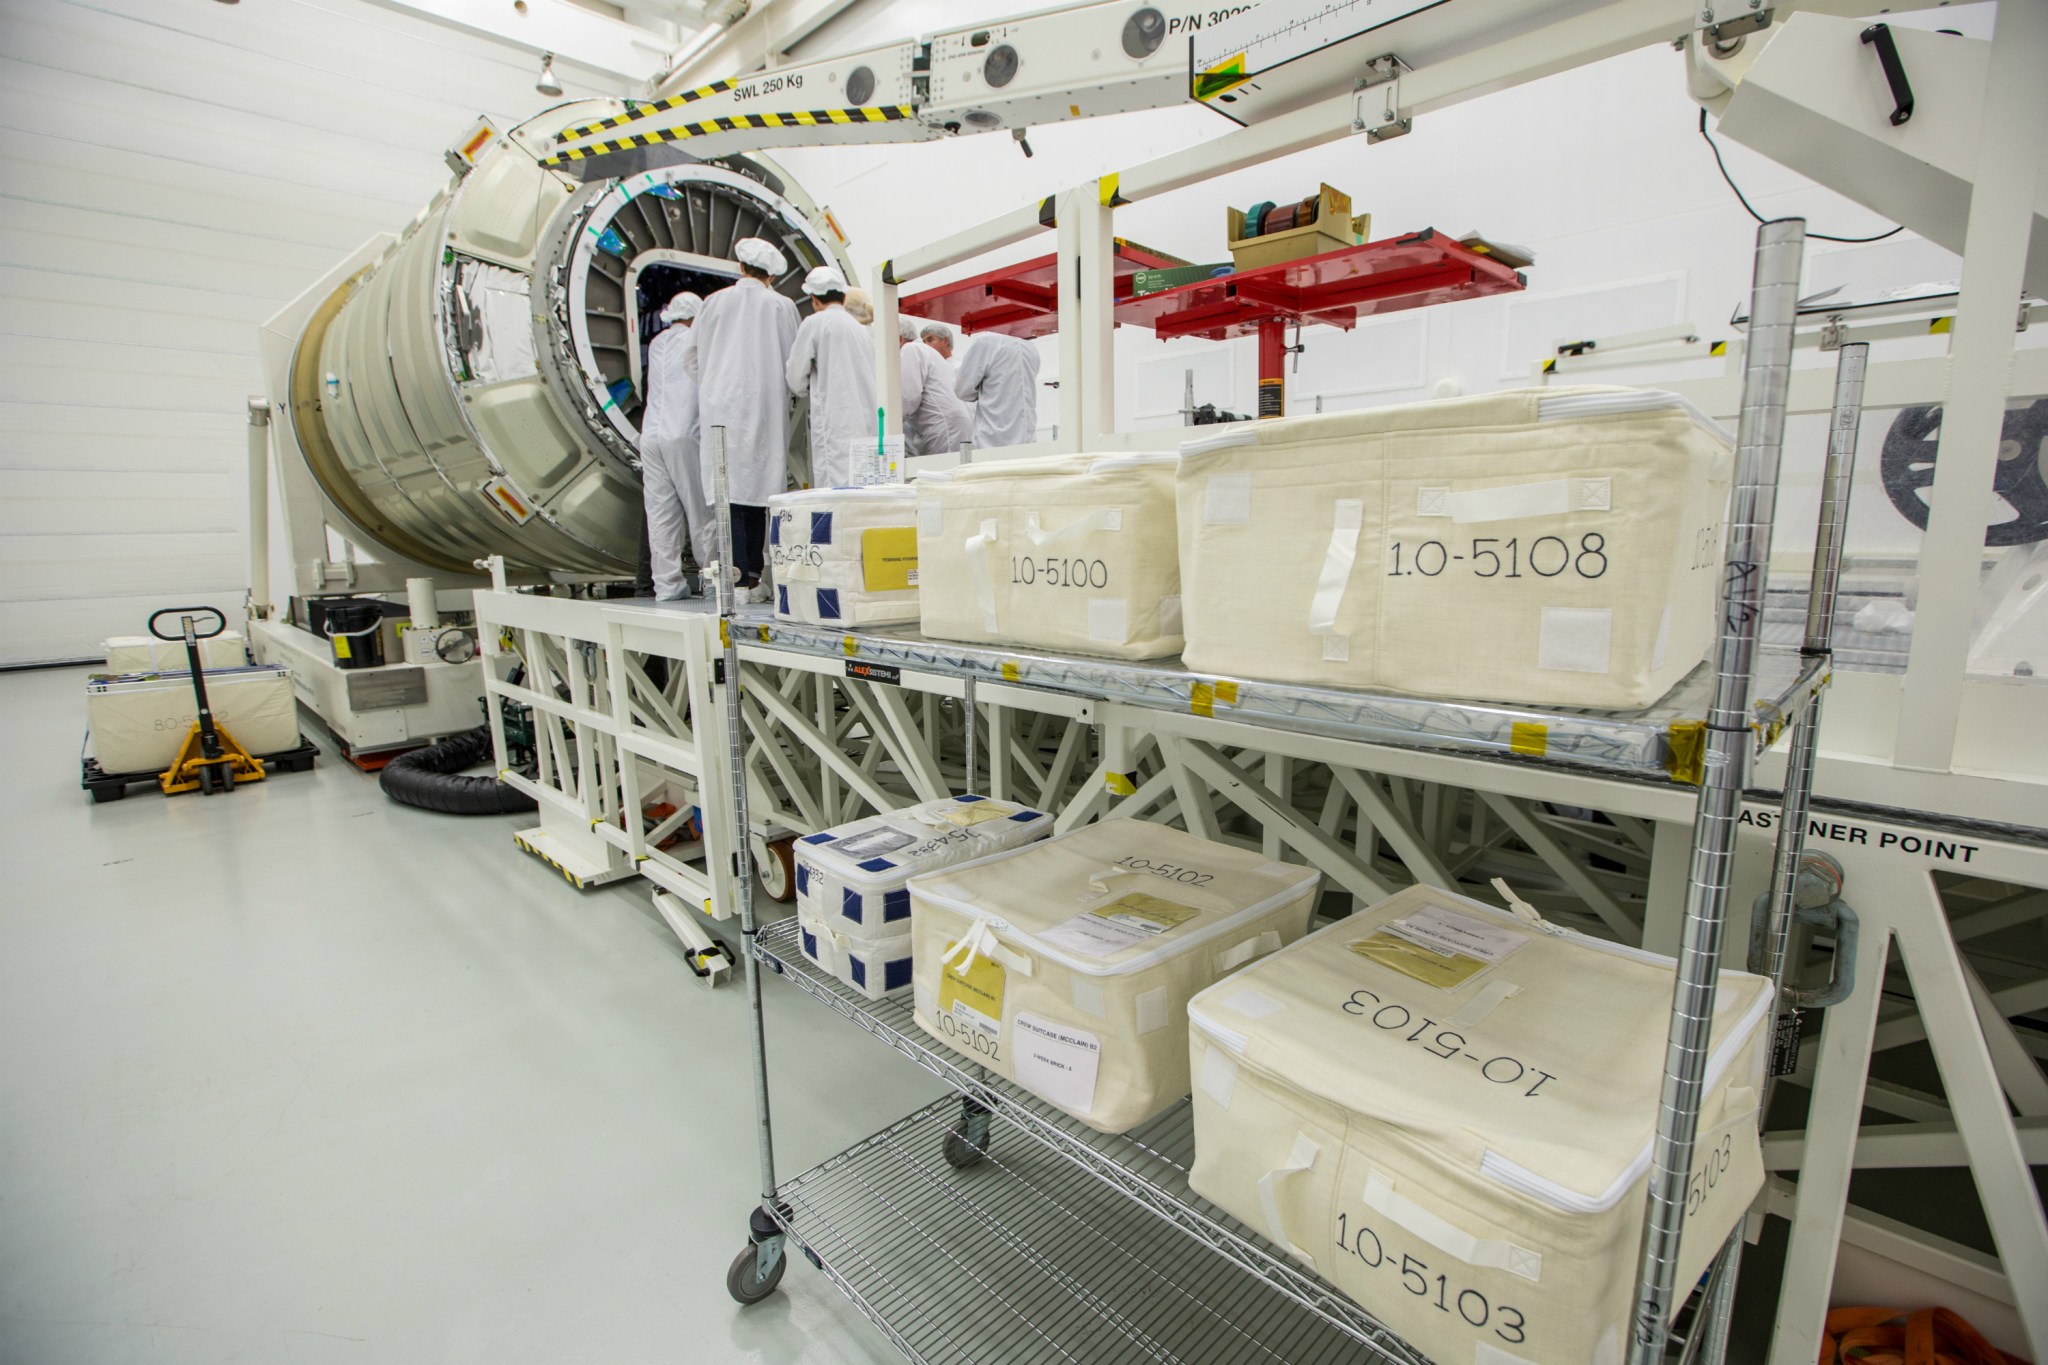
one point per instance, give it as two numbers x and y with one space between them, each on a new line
432 778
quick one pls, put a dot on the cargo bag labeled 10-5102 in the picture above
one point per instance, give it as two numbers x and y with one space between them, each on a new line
1067 966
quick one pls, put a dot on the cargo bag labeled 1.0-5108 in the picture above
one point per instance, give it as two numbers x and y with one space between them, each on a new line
1072 553
1447 1111
853 911
845 556
1067 966
1555 547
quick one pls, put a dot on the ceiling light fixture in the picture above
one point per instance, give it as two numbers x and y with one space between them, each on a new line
547 84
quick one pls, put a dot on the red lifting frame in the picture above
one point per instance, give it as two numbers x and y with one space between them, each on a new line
1023 299
1338 288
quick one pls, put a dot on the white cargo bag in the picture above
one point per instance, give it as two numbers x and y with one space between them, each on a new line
853 877
875 967
139 724
1447 1111
1555 547
1067 966
147 654
845 556
1072 553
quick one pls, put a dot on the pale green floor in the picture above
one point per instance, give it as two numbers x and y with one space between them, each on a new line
297 1075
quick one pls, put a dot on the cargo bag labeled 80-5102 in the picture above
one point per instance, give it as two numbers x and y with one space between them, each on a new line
1556 547
1447 1111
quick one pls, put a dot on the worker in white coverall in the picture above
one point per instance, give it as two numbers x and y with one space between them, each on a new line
833 361
671 475
934 418
1000 377
740 349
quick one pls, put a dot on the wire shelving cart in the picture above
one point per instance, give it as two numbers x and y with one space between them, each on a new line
989 1225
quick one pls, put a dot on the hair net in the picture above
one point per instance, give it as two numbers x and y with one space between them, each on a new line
906 329
935 329
824 280
861 306
682 308
760 255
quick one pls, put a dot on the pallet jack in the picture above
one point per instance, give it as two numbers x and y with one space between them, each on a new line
209 760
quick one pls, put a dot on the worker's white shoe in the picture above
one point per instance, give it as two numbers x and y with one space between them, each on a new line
757 595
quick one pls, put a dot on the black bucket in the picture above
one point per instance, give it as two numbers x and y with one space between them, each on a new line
355 631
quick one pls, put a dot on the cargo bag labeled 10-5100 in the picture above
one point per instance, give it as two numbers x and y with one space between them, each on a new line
1447 1111
1072 553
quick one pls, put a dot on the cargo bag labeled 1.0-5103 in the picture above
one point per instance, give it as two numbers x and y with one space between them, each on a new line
1447 1111
853 911
1067 966
1555 547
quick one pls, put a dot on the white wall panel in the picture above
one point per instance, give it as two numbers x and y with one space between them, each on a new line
173 172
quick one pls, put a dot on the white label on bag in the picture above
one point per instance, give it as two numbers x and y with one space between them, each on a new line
1447 931
873 843
1056 1062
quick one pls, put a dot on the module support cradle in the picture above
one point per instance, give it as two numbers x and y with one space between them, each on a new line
1141 1167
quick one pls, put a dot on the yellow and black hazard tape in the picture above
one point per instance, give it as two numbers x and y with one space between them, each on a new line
635 112
567 875
802 118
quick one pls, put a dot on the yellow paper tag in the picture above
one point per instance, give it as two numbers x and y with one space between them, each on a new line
341 650
976 812
1431 968
973 998
888 558
1146 913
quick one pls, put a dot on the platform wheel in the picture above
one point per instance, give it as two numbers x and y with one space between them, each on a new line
775 865
745 1281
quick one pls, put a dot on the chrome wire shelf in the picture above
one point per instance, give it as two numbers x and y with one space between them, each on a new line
1143 1172
1023 1256
1660 742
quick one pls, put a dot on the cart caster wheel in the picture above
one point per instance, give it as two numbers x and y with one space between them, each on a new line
745 1282
960 1151
775 864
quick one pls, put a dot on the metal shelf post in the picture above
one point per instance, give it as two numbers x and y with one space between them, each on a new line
1759 442
1845 423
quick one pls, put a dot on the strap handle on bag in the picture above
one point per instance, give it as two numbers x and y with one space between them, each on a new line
980 941
1446 1236
977 547
1096 519
1302 1158
1348 519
